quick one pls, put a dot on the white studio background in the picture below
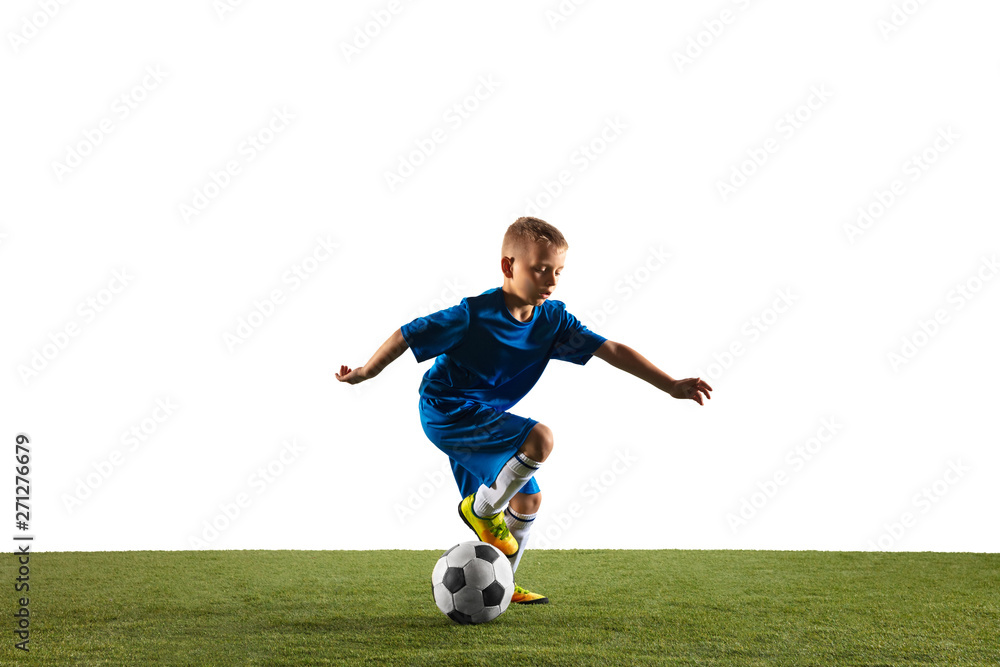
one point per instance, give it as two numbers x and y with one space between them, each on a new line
713 159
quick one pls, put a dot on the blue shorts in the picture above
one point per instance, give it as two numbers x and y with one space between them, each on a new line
477 438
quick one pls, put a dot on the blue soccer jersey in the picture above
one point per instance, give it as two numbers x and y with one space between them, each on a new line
485 354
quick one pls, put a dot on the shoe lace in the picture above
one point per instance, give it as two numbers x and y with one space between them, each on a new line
519 590
500 529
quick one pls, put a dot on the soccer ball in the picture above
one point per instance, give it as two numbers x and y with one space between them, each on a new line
472 582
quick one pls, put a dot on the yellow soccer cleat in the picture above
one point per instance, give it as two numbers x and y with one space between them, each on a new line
524 596
492 530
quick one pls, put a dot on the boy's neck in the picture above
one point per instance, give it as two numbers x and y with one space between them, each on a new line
520 309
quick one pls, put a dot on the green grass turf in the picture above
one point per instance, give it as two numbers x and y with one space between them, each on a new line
608 607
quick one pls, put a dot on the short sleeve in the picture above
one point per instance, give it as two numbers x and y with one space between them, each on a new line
575 342
437 333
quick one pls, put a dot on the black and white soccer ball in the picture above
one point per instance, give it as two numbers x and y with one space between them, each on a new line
472 582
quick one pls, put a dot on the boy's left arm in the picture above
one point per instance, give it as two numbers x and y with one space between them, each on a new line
623 357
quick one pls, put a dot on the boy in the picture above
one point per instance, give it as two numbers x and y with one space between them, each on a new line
491 349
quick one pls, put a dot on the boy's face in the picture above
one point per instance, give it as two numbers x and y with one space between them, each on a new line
535 275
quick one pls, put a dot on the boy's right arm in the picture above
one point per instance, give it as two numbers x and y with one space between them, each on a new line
394 346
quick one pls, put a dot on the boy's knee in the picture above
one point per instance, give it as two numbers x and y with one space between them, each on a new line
524 503
538 445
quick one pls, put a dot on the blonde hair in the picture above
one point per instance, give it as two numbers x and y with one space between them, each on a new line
526 231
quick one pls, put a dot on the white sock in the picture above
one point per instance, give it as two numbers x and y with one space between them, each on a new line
493 499
519 526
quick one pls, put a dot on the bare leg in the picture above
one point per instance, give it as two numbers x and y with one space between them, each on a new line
523 503
538 445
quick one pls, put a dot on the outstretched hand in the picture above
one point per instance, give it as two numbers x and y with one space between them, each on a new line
351 376
691 388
